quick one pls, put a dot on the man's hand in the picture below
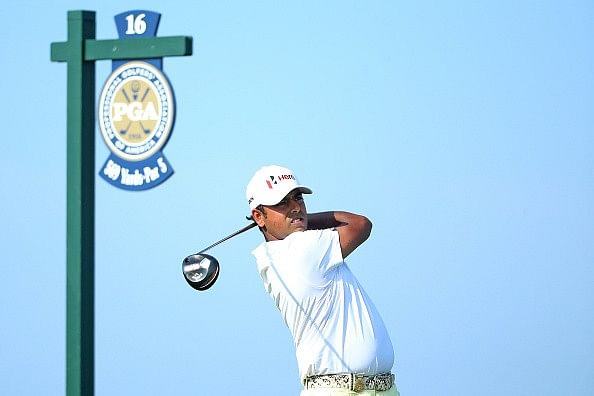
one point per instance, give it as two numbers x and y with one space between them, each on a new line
353 229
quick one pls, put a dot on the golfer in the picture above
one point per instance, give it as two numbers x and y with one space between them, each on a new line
341 342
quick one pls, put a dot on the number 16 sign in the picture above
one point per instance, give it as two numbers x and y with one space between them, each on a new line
136 112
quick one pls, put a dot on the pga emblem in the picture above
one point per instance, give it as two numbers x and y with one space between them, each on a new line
136 116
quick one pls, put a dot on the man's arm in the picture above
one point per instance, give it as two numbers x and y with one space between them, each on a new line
353 229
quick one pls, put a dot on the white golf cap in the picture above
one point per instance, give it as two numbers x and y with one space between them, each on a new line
270 184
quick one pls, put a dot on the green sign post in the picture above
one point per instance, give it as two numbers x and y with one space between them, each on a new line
80 53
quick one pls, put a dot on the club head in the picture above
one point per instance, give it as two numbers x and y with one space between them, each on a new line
200 271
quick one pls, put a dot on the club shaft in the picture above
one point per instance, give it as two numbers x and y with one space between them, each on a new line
248 227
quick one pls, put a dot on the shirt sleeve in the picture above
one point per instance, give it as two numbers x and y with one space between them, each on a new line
302 258
316 250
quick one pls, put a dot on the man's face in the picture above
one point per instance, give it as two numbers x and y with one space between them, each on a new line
280 220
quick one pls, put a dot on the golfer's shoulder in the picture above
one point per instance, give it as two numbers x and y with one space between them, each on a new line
300 241
304 240
315 236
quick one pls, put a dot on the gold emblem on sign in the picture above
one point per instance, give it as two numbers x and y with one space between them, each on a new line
136 111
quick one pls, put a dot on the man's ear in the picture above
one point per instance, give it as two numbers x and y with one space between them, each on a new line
258 217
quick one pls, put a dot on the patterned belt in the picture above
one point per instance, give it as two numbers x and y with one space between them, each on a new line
353 382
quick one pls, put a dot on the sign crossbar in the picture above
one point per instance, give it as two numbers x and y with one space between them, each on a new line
131 48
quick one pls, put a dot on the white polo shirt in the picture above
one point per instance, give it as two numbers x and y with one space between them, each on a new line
335 326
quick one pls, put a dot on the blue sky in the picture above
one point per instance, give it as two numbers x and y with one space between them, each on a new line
463 130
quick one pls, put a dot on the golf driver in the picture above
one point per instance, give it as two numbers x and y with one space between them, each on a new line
202 270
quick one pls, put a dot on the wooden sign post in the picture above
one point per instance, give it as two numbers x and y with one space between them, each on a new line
80 53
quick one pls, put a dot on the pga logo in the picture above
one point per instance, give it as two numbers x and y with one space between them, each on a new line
136 111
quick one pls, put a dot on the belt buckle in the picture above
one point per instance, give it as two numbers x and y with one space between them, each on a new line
358 383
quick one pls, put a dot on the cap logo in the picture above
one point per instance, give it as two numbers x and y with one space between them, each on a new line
270 182
280 177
